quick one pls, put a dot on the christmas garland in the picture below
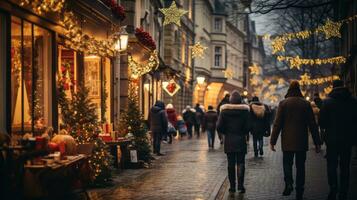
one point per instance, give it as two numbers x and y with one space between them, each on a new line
145 38
117 10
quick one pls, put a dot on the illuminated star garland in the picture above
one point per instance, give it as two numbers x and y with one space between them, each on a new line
296 62
305 79
228 73
172 14
329 29
198 50
255 69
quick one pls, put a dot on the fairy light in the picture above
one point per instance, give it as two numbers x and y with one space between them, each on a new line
44 6
305 79
296 62
137 70
198 50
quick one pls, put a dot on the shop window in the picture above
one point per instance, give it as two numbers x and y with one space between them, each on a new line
30 77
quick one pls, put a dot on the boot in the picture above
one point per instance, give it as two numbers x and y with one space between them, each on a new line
288 189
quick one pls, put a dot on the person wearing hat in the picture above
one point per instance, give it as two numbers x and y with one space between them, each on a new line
233 124
338 116
293 120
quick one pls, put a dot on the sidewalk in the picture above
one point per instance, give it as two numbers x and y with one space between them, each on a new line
264 177
188 171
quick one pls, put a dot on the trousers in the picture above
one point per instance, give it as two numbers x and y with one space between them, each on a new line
288 159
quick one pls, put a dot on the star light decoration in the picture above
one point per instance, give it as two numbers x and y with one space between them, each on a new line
296 62
305 79
331 29
198 50
228 73
254 69
172 14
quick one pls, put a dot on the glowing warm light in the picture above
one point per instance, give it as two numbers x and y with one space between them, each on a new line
200 80
172 14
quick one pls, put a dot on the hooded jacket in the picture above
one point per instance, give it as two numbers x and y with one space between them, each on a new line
294 119
158 119
259 119
233 123
189 116
338 116
210 120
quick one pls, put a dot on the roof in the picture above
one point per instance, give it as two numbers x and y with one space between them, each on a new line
219 8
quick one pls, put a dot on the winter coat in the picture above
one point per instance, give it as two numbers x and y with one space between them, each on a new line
172 116
233 123
338 116
293 119
199 115
316 111
224 101
157 119
259 119
189 116
210 120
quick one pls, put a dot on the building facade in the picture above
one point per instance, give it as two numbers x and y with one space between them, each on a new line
35 53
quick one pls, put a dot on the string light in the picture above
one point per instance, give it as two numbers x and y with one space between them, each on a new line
198 50
228 73
305 79
44 6
296 62
172 14
136 70
255 69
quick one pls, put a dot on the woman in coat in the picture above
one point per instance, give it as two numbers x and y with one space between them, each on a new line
233 124
172 118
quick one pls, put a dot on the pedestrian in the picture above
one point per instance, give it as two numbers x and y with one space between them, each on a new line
199 117
259 124
225 100
209 125
317 100
337 117
294 118
233 124
158 125
181 126
190 119
172 118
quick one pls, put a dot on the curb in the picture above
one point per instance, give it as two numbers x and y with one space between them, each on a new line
219 195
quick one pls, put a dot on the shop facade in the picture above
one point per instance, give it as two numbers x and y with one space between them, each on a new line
35 54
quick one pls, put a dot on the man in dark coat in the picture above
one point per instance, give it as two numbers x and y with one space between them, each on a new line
294 119
189 117
199 117
337 117
233 124
158 124
225 100
259 124
209 125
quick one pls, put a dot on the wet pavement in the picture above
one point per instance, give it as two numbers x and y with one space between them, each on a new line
264 177
190 171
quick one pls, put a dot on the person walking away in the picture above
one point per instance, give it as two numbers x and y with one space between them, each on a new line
225 100
260 126
337 117
293 119
317 100
199 117
181 126
233 124
172 118
190 119
158 124
209 125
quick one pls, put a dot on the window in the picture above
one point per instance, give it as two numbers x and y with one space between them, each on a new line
30 77
218 24
217 56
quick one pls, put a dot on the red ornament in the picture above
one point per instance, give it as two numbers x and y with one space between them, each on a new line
171 87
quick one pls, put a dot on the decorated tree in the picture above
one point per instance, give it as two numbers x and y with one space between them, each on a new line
79 114
132 121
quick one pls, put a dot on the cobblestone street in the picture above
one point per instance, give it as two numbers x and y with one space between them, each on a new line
190 171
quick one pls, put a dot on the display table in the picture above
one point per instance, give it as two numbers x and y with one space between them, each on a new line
122 145
56 179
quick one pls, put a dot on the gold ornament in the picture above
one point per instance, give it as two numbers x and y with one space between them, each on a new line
228 73
172 14
331 29
198 50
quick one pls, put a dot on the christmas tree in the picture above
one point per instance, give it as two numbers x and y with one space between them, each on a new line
79 114
133 120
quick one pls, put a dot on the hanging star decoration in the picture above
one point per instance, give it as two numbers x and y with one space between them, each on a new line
305 78
228 73
172 14
330 29
198 50
254 69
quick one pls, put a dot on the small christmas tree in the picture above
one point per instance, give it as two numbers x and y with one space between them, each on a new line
134 121
79 114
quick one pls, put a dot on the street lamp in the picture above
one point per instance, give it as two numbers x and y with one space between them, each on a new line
121 40
200 80
245 93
